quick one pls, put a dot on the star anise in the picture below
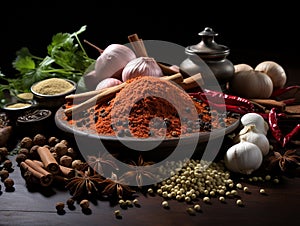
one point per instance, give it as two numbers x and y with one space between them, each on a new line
116 186
283 160
141 170
97 163
83 183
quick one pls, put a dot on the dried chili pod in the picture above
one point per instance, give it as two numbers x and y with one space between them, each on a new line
274 127
291 89
290 135
220 100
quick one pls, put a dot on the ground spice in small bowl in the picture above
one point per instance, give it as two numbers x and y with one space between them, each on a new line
143 109
52 86
18 105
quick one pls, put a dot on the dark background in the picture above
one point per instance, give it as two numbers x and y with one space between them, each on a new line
252 30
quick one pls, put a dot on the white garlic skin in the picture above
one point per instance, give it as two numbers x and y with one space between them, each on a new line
112 61
108 82
252 135
257 120
243 157
141 66
274 71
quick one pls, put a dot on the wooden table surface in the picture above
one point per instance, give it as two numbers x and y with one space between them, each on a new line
280 206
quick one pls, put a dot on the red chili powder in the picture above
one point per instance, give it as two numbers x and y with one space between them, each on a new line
149 107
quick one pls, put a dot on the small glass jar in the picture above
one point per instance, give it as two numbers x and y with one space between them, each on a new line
208 53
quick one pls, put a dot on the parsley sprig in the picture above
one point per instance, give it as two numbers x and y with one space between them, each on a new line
66 58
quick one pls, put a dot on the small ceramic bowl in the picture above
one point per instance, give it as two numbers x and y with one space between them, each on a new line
17 108
52 101
34 122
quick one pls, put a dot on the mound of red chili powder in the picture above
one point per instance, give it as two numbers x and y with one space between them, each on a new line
151 107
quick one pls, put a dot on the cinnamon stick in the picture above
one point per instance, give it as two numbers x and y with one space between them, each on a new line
48 160
109 93
137 45
192 82
67 171
270 103
83 96
45 178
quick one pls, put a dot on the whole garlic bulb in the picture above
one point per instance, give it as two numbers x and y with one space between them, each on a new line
274 71
141 66
243 157
251 134
109 64
257 120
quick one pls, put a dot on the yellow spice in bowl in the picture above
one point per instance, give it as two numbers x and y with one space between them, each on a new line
53 86
18 105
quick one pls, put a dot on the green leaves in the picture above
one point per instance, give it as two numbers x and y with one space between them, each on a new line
66 58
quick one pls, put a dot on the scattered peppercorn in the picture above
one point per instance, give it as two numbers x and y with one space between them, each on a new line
117 213
59 206
70 202
26 142
3 152
52 141
9 183
39 139
20 158
222 199
4 174
165 204
84 204
197 207
262 191
239 202
191 211
7 164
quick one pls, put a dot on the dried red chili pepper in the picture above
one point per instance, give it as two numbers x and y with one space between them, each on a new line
274 127
220 100
280 91
291 134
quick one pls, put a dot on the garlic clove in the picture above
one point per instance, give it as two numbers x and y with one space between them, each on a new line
141 66
108 82
251 134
